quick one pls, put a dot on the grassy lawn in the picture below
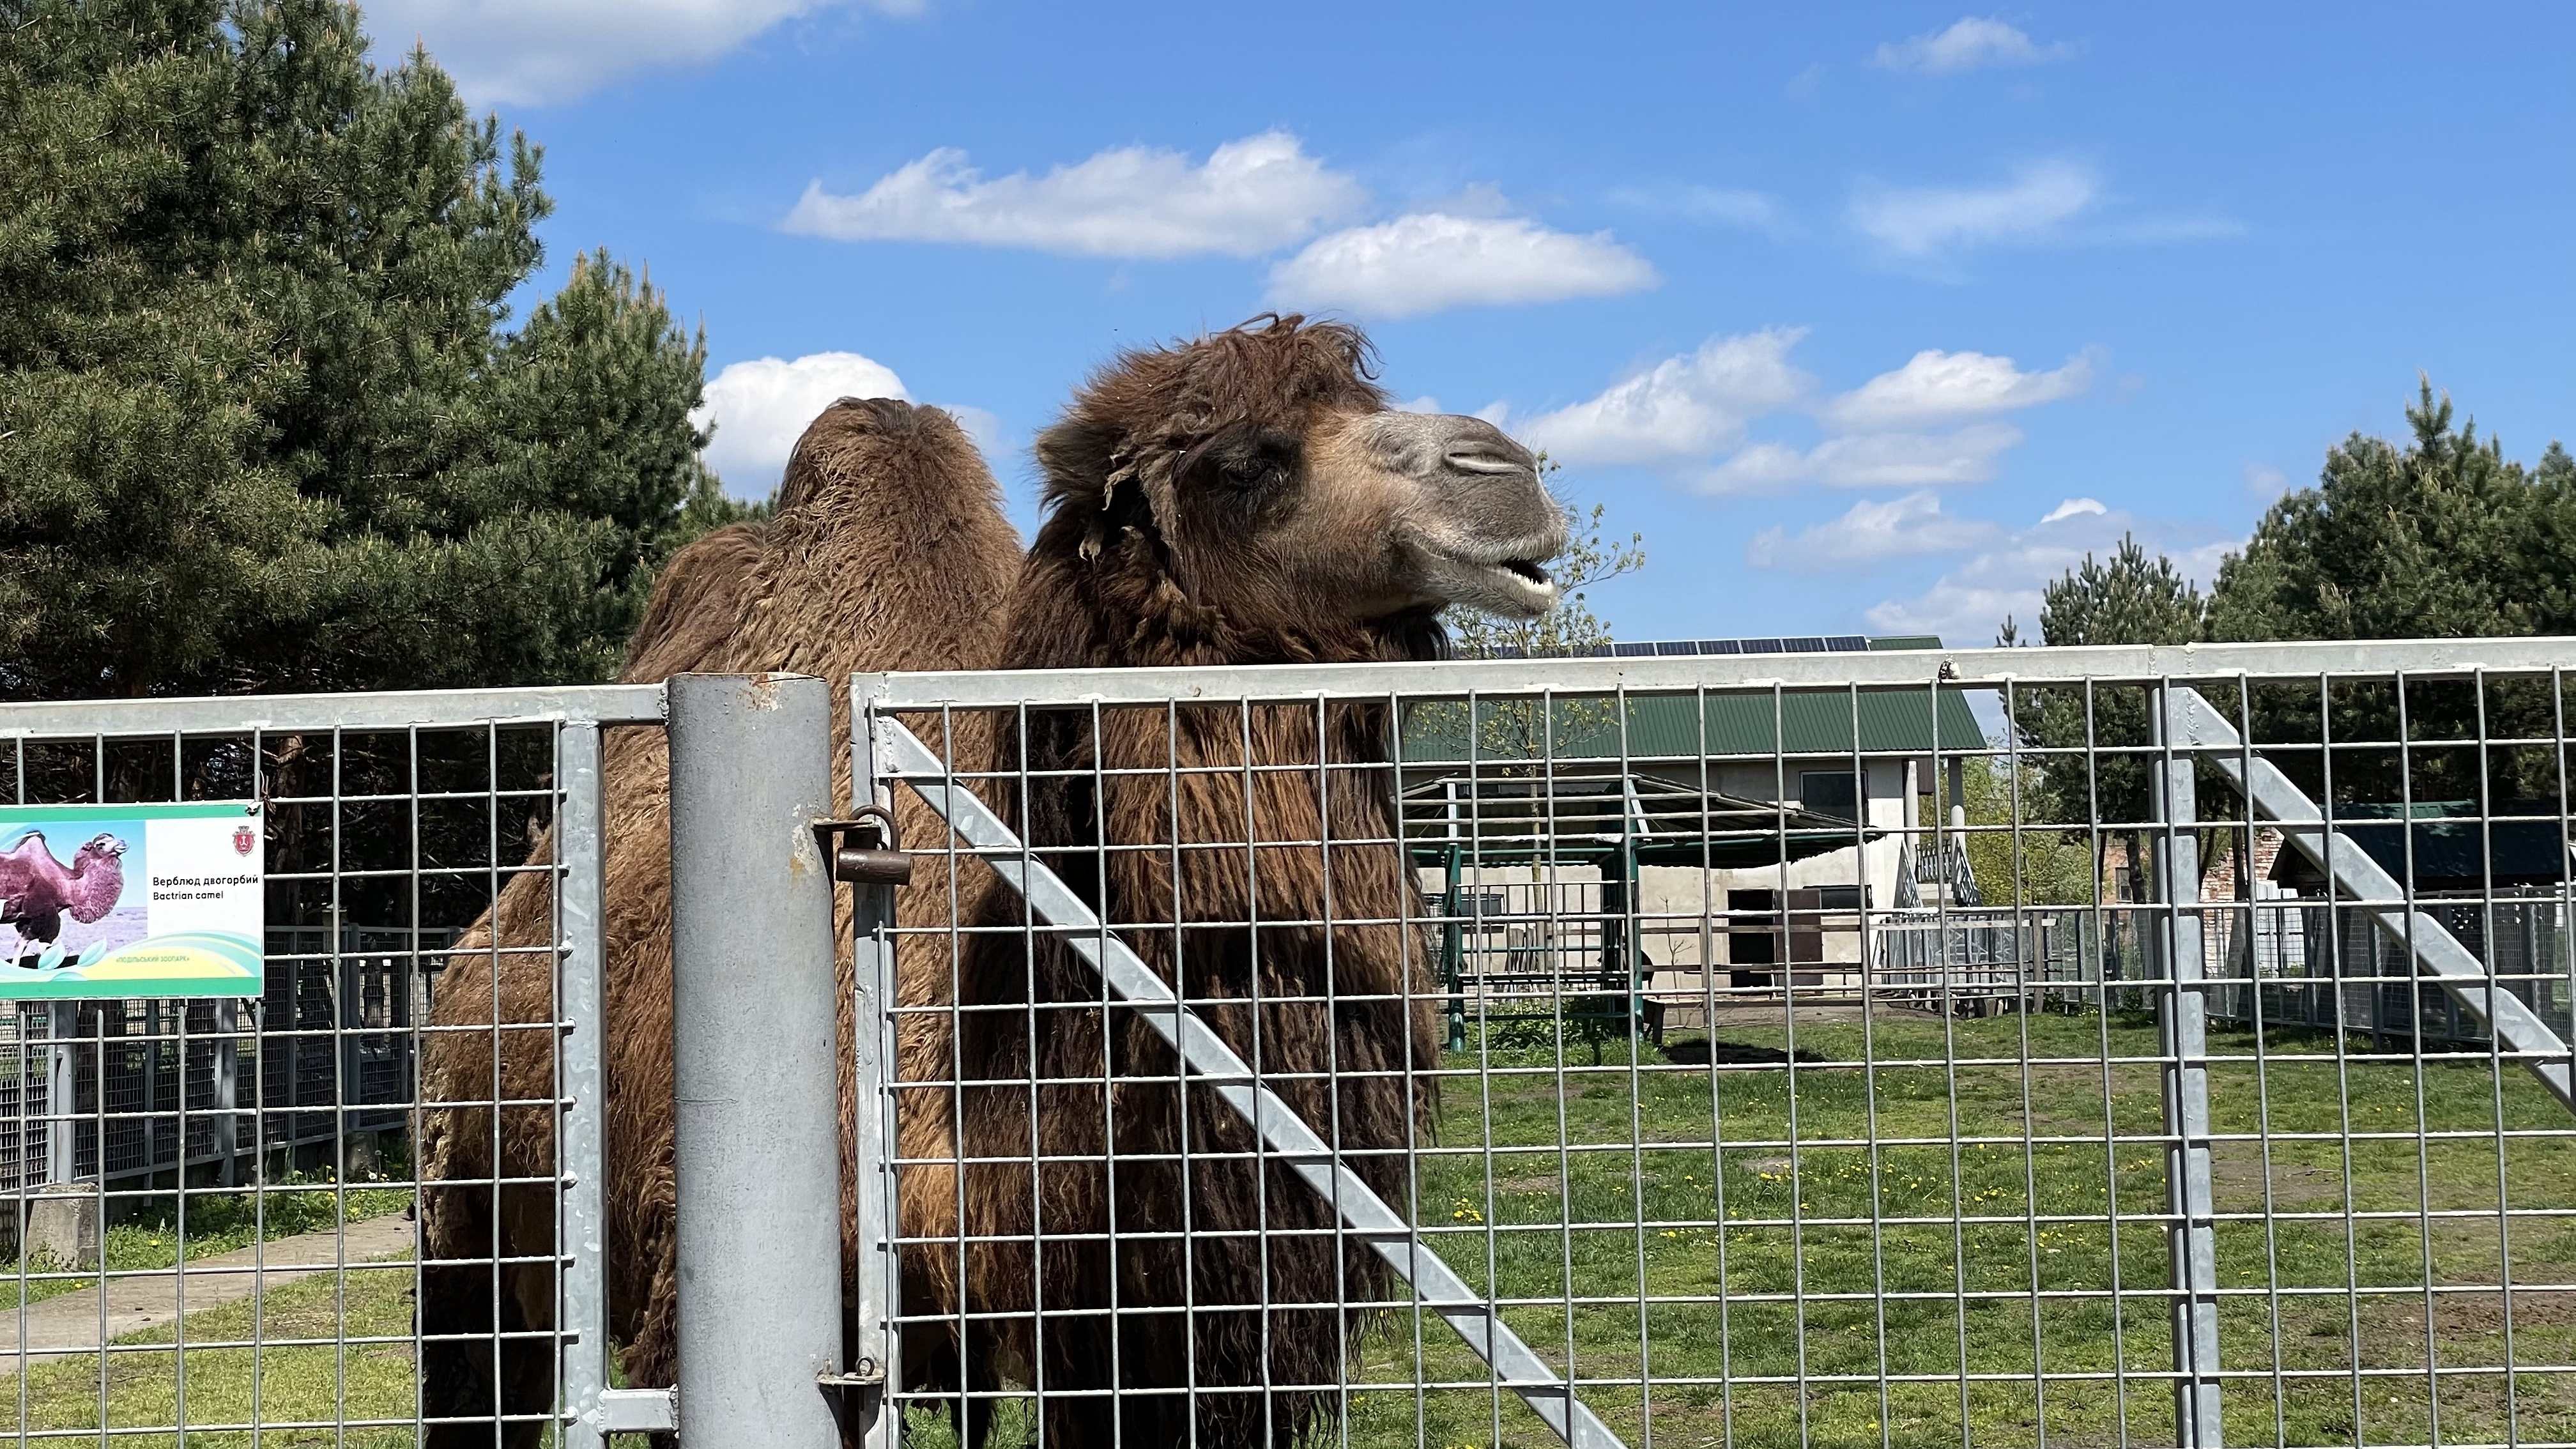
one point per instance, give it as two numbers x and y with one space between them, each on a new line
2012 1283
217 1221
1959 1244
317 1385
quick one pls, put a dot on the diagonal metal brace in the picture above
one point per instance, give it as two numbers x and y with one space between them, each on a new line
2192 724
1281 1130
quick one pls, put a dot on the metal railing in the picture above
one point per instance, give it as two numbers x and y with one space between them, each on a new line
214 1202
1184 1154
1157 1129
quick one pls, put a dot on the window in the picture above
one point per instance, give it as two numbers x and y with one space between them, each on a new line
1841 897
1830 792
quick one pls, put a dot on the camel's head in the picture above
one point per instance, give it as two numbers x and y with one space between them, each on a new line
1261 471
104 846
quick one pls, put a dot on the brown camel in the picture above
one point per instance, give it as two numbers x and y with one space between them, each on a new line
1246 498
888 551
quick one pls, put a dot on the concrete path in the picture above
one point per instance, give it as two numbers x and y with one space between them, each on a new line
72 1323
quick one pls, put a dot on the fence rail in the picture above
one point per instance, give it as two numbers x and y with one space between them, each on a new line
2151 1159
211 1202
1298 1053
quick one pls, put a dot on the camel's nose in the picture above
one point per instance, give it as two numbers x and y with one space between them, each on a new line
1477 446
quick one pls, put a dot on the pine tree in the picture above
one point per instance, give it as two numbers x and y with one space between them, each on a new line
2443 537
2130 599
260 426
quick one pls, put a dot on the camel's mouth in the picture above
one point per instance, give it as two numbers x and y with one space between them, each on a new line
1517 587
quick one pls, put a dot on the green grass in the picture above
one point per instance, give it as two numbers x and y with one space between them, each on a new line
313 1384
1966 1349
1970 1242
217 1221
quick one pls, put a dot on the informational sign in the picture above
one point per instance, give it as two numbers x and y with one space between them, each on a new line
130 900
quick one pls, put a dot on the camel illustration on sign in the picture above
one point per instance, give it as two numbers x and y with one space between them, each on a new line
37 891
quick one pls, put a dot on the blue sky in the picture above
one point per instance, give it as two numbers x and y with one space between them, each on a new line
1870 317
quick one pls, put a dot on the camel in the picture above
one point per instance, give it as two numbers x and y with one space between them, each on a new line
37 891
888 549
1244 498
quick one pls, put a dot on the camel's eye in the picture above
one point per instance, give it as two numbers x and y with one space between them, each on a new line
1249 461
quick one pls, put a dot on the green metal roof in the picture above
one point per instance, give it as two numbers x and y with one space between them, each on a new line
1491 819
1890 721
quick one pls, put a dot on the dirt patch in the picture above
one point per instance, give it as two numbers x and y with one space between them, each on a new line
2236 1170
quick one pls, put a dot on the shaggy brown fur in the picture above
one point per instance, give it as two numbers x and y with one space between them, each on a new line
888 551
1206 504
1148 556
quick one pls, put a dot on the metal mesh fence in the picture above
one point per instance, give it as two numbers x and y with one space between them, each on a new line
213 1207
2138 1047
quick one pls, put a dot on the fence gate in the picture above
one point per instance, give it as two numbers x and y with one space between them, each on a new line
2216 1090
213 1204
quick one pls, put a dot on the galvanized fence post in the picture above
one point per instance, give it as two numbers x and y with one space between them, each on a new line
2182 1020
872 1039
581 1218
754 1062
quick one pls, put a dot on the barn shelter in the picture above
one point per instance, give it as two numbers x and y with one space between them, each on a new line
1637 843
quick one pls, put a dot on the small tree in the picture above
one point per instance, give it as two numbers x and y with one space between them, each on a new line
2035 865
2130 599
1509 730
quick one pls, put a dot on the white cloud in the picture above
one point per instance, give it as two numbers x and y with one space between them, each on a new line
1869 460
1936 387
762 406
2033 206
1967 605
1248 197
2266 483
1926 424
1913 524
1968 43
539 52
1431 261
1681 410
1718 205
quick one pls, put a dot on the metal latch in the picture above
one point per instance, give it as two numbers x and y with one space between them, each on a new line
877 859
645 1411
865 1374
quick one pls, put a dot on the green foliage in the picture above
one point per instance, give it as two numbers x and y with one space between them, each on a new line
2030 866
2440 537
2130 599
259 426
1520 729
2443 538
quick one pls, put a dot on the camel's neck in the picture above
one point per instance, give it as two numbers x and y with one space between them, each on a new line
96 883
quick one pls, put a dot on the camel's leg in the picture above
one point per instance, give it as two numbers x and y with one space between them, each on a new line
491 1373
461 1370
